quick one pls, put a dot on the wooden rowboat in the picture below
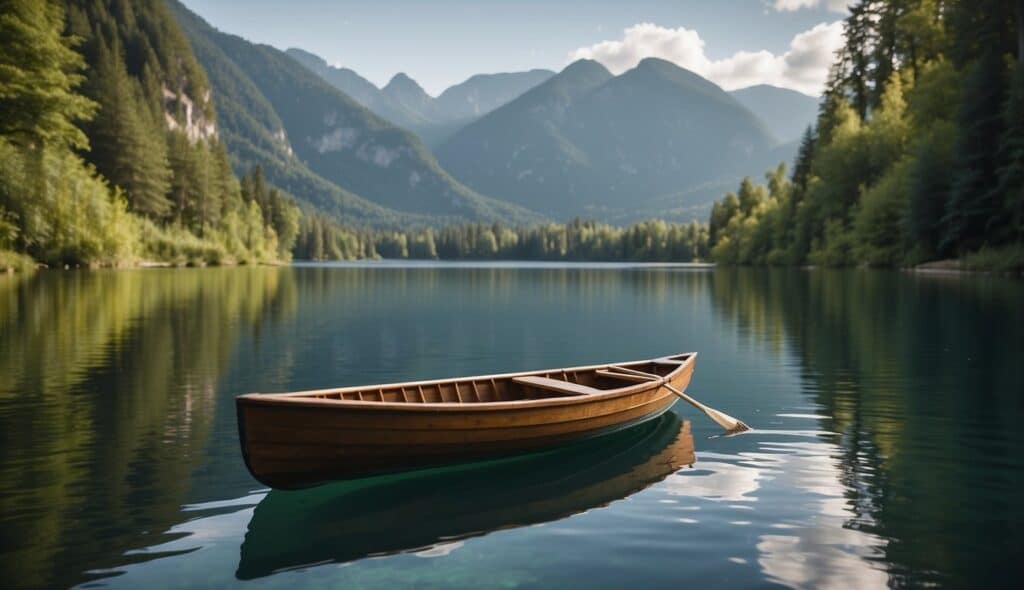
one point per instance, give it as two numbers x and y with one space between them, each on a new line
294 440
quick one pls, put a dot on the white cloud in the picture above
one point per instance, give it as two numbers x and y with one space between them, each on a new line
792 5
804 67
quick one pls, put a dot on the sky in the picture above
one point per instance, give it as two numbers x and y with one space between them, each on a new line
734 43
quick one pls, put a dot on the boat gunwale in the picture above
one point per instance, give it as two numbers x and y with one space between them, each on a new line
300 399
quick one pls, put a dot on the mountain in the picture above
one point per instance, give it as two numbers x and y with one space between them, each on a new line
403 102
408 94
483 93
380 171
787 113
359 88
522 150
624 147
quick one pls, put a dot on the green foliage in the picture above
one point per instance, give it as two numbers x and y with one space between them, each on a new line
931 106
65 213
128 146
755 226
649 241
973 205
177 246
1004 259
39 71
918 151
879 225
1011 158
929 182
14 262
279 213
156 183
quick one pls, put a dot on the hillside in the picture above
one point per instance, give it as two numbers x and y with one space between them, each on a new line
786 113
482 93
521 150
359 89
341 141
112 152
588 143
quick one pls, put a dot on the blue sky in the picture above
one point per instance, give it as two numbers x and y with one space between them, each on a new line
440 43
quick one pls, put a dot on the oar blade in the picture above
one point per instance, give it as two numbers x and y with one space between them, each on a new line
732 425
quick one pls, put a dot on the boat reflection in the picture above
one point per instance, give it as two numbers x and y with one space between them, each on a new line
422 510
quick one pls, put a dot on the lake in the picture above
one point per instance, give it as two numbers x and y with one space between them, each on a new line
887 450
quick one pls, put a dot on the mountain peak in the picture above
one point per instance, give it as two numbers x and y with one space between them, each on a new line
306 58
772 88
661 72
587 67
655 62
664 67
401 82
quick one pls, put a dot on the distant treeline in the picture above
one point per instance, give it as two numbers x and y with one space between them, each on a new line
650 241
917 154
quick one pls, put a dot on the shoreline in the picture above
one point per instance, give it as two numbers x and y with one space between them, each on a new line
940 268
32 266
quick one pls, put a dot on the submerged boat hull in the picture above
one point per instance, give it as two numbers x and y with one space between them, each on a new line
306 438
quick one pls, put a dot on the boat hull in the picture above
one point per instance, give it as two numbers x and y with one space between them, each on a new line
293 443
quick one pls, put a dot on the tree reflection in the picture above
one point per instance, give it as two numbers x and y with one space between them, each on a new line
922 377
107 389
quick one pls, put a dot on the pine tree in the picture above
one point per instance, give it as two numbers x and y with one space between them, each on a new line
973 203
1011 157
804 157
884 16
39 71
929 186
126 148
856 55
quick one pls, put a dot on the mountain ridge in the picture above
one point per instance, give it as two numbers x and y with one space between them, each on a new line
587 142
345 144
403 101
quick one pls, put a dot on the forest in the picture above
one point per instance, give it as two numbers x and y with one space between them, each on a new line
650 241
109 146
917 154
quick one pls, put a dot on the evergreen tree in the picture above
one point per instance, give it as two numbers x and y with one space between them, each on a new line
855 56
929 186
1011 157
126 148
39 71
973 205
804 157
884 17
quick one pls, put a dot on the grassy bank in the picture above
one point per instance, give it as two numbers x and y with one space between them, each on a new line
1008 259
14 262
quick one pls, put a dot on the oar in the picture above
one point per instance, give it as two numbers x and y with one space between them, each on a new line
732 425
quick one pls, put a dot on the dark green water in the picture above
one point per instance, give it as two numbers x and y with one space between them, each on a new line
889 448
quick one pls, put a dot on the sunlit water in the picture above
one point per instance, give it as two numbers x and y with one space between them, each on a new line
888 447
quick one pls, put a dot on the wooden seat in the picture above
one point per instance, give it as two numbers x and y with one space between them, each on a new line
624 376
555 385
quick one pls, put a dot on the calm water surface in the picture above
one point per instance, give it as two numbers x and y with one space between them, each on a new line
888 447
